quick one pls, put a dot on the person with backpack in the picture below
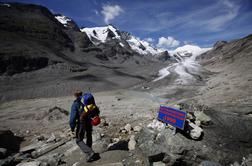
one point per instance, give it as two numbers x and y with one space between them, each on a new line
82 117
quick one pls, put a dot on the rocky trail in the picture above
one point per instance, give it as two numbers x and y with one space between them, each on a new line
128 135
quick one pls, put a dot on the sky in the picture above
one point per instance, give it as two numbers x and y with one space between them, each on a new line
164 23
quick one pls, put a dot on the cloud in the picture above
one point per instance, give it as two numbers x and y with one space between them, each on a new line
230 11
213 16
168 42
110 12
149 39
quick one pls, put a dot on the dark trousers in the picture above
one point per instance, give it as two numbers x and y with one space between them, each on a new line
83 129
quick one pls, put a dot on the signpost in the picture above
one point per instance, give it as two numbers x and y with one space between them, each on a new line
172 116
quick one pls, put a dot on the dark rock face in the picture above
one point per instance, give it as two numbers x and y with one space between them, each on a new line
9 141
219 44
18 64
30 36
164 56
33 21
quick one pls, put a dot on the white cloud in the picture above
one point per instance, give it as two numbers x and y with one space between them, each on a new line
110 12
213 17
149 39
168 42
230 12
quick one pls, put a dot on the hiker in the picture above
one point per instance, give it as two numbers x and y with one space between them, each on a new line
83 116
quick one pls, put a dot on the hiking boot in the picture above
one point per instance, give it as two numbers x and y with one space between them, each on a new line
90 157
93 157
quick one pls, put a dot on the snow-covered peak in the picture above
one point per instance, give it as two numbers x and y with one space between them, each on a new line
100 34
63 19
141 46
188 50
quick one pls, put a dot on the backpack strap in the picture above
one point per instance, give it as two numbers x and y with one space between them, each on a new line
90 107
86 109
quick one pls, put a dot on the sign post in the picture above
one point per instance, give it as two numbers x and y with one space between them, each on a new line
172 116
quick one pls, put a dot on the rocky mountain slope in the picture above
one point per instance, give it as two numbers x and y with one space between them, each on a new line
35 42
231 66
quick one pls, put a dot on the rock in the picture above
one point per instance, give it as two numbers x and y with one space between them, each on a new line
19 157
132 143
31 163
52 138
47 148
121 145
116 139
76 164
123 131
3 153
166 147
167 159
196 131
202 117
137 128
44 164
247 161
156 158
209 163
197 123
105 123
138 161
158 163
96 137
30 148
235 164
190 116
7 161
52 160
156 125
220 44
9 141
128 128
113 164
40 138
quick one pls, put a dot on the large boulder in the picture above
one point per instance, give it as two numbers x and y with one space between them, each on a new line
31 163
3 153
9 141
157 144
132 143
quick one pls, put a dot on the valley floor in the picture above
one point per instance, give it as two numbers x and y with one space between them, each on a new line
42 123
226 141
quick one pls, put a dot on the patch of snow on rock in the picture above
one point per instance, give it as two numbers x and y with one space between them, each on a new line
63 19
121 44
142 47
6 4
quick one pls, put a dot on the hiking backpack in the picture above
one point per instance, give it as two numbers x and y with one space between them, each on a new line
88 99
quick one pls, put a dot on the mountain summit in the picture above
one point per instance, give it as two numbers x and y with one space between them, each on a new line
102 34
